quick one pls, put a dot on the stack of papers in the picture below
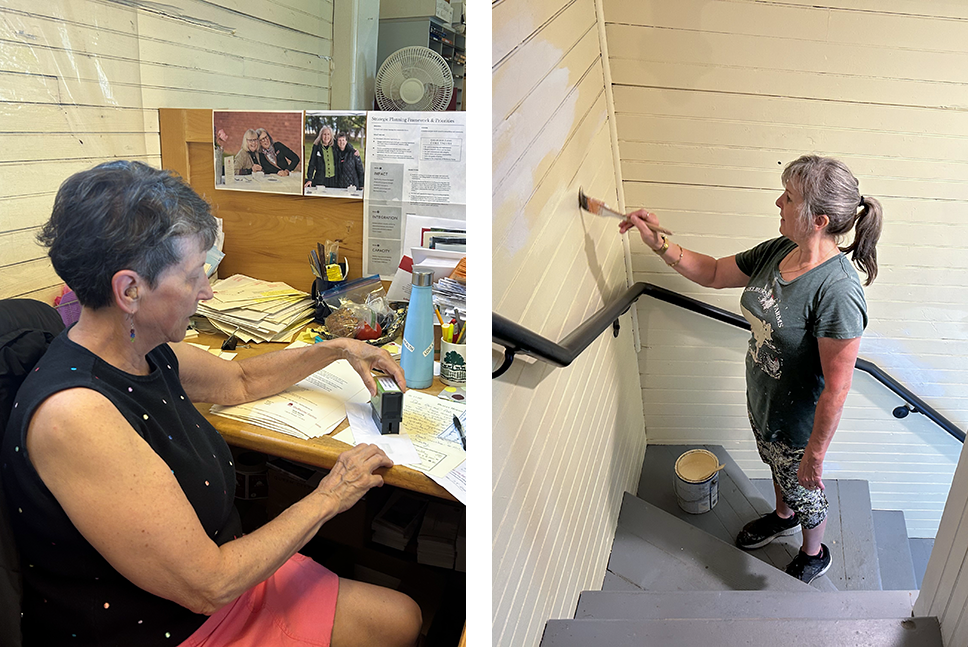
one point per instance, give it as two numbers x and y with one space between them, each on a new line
257 310
437 541
398 520
312 408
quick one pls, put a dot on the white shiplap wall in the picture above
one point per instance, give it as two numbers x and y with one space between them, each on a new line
712 98
567 441
81 81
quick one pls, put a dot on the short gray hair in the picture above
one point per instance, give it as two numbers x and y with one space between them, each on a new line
122 215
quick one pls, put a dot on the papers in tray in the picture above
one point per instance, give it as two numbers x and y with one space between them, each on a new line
257 310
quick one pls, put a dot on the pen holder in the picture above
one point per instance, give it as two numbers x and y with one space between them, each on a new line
320 286
453 363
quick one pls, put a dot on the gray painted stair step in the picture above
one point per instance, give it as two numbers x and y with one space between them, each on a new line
656 551
671 605
739 503
909 632
920 552
849 534
893 551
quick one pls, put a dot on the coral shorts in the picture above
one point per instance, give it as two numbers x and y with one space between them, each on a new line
295 607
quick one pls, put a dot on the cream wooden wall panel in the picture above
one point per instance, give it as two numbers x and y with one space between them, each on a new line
554 510
512 80
34 118
740 80
70 146
25 211
34 178
789 52
513 133
776 111
83 81
555 241
741 18
939 9
514 23
19 246
23 278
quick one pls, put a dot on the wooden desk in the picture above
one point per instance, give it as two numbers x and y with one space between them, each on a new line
318 452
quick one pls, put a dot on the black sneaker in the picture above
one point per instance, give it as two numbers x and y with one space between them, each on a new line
762 531
807 568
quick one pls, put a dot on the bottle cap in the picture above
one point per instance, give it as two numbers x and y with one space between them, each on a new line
422 278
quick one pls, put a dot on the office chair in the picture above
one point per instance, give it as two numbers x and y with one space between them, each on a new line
26 329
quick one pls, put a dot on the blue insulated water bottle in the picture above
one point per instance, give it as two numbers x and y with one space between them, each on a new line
417 357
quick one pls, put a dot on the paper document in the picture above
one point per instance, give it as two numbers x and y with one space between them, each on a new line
415 165
455 482
297 411
397 446
314 407
426 419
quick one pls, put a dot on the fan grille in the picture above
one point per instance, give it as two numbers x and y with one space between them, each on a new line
414 78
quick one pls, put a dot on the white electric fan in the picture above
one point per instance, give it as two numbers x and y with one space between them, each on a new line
414 78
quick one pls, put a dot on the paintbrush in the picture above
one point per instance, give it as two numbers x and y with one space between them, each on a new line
599 208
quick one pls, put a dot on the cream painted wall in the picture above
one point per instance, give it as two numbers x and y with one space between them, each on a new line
567 441
712 98
81 81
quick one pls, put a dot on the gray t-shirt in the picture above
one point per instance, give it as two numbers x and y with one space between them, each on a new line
783 373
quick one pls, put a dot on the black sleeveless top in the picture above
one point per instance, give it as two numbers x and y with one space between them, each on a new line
72 595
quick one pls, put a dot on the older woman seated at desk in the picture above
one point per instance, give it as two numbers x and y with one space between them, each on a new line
121 493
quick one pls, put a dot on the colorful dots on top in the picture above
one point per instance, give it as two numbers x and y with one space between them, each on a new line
73 368
145 416
107 604
130 390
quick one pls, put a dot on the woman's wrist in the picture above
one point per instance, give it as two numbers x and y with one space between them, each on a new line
662 248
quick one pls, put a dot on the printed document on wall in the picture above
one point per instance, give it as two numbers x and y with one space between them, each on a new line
416 166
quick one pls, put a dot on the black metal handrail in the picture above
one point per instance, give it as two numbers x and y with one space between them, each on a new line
518 340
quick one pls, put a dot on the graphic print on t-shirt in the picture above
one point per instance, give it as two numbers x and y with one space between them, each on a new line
762 350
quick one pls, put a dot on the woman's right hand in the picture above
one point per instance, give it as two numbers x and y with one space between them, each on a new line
353 475
638 219
256 168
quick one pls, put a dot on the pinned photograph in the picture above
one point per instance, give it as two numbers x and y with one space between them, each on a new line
258 151
335 149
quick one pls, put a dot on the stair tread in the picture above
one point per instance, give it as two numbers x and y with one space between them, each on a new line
642 605
893 551
909 632
739 502
657 551
855 565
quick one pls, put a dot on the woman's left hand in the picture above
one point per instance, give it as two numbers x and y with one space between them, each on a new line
283 172
811 469
364 357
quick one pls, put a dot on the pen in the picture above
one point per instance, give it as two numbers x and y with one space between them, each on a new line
447 332
460 430
439 318
462 331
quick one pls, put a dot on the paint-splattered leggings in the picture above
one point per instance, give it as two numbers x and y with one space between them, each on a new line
784 461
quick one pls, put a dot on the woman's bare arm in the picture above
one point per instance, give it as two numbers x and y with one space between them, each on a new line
127 503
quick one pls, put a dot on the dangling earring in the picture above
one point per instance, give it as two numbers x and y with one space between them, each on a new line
131 324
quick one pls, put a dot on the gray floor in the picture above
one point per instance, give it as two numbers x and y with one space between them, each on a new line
850 525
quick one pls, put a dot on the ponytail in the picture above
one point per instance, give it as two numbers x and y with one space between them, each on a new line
867 231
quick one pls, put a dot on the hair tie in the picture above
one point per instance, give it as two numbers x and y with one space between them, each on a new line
861 205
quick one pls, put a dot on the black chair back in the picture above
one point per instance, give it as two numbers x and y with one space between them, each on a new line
26 329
